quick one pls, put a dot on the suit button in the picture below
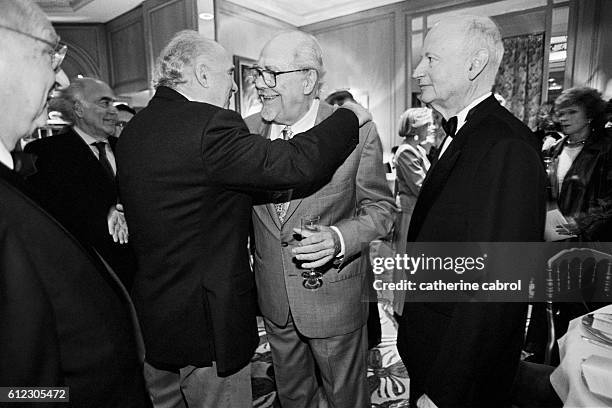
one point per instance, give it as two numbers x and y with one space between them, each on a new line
284 244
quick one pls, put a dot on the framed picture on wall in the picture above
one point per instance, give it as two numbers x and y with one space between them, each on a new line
245 100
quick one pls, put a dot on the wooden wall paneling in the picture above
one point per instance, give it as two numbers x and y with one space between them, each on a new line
522 22
127 51
590 49
361 55
87 48
163 19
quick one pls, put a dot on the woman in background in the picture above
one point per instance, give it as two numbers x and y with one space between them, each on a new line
580 171
411 165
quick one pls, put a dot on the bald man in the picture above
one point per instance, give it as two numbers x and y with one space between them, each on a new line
314 328
487 186
75 177
65 319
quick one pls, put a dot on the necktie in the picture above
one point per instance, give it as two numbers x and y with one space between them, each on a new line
281 208
108 169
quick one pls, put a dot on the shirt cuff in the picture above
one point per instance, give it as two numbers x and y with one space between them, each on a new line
342 248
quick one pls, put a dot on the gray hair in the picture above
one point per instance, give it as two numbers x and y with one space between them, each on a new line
182 51
25 16
307 53
482 32
67 97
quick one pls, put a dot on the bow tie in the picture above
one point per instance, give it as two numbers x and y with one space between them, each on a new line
450 126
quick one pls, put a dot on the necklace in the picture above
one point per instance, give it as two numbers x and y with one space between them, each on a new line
569 142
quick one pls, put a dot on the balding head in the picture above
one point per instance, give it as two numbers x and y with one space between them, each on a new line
25 68
199 68
461 56
297 60
88 104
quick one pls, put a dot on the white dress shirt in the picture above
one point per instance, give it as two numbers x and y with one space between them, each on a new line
5 156
89 140
304 124
461 120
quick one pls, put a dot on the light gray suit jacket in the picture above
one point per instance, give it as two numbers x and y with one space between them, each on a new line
357 201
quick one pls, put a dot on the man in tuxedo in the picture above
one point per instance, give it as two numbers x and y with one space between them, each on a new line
313 329
187 167
65 319
75 171
487 186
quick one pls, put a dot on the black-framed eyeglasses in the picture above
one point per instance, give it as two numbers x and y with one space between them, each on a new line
269 76
57 52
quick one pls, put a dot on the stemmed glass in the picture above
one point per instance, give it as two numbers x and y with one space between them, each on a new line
312 278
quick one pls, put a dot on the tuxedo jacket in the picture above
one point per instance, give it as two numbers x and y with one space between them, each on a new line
186 171
65 320
71 184
488 186
356 200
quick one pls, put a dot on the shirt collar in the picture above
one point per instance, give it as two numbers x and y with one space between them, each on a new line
464 112
305 123
86 137
5 156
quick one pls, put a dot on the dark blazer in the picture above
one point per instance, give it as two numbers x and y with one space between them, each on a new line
185 169
71 184
489 186
65 320
586 194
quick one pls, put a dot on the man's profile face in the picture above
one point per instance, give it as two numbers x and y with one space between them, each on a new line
98 116
285 103
220 79
28 78
442 71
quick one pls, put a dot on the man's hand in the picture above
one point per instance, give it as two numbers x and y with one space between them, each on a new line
317 247
570 229
363 115
117 227
425 402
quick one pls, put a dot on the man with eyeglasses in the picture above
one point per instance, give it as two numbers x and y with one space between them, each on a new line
314 329
75 177
65 320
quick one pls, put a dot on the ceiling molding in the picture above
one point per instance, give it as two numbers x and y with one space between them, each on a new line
300 14
62 6
231 9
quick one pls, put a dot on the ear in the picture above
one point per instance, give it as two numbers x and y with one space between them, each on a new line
310 81
77 109
478 62
200 73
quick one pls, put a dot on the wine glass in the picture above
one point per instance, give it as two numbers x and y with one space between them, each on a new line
312 278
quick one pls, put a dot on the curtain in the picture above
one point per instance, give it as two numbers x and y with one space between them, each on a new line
519 80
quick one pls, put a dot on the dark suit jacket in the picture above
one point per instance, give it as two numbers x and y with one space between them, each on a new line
184 168
71 184
65 320
357 200
489 186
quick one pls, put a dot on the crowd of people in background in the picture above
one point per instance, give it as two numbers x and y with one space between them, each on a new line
167 318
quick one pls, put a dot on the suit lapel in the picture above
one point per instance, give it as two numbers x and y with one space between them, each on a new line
89 161
323 112
264 130
438 174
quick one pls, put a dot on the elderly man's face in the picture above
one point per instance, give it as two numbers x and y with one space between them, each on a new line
442 73
220 77
286 102
97 115
28 78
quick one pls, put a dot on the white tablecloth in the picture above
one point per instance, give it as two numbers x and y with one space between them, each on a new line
567 378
